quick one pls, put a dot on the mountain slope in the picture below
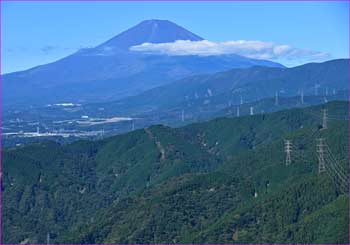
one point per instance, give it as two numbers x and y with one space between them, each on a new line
216 91
221 206
111 71
151 31
292 215
164 185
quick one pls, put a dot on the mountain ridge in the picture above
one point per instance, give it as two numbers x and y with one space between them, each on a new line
230 85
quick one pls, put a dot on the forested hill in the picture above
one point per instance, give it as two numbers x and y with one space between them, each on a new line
222 181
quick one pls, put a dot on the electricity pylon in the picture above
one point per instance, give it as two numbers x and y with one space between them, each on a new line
302 96
316 89
251 110
288 150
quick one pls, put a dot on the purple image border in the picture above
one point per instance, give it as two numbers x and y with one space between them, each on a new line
197 1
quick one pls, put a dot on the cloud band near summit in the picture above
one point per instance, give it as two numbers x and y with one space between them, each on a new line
251 49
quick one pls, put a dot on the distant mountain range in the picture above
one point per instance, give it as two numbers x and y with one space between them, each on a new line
111 71
194 99
220 90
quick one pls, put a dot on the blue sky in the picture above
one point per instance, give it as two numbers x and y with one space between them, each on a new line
35 33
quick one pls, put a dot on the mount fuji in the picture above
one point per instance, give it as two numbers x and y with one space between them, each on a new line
111 71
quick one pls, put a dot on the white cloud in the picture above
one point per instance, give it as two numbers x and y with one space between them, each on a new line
251 49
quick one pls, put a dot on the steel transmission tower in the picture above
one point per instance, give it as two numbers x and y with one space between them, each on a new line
276 98
316 89
251 110
320 151
302 96
288 150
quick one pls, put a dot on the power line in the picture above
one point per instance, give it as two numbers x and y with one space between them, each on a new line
336 178
333 158
337 181
320 151
328 117
324 119
328 164
338 173
335 163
